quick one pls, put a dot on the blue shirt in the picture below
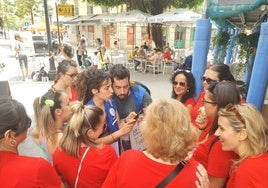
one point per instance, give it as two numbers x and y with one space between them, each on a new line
110 110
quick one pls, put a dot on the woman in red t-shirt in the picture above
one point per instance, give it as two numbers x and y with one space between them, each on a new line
209 152
183 87
215 73
168 139
65 79
17 170
79 159
243 130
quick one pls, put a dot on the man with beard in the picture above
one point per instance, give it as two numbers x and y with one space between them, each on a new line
129 96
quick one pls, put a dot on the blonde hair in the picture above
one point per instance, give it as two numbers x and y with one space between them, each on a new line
46 119
83 118
255 126
167 130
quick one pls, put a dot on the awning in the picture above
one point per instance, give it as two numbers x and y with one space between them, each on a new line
182 16
133 16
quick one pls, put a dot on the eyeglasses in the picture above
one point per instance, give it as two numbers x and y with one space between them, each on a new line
208 80
209 102
231 108
72 75
182 84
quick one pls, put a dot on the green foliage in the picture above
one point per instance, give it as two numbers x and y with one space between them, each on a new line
149 6
1 23
220 42
24 7
221 39
186 3
107 3
247 45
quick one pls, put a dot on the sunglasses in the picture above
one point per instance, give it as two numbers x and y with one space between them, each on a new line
208 80
231 108
182 84
72 75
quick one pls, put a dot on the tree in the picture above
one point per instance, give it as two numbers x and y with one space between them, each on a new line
152 7
28 8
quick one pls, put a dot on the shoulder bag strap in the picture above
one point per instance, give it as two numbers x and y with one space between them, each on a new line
172 175
79 168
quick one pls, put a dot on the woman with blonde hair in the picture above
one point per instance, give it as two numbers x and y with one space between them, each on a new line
243 130
103 59
168 140
54 112
79 159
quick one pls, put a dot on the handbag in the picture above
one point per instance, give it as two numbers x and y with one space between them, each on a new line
171 175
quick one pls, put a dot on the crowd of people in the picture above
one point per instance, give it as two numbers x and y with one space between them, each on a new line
89 122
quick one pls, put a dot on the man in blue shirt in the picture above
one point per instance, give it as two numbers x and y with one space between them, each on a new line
129 96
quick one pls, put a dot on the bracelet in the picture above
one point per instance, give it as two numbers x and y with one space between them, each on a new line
113 137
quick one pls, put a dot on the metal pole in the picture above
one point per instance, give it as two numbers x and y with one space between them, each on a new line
52 69
47 26
57 16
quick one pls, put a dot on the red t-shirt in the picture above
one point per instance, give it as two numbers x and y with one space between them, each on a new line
94 170
194 113
252 172
199 103
134 169
214 159
190 101
167 56
26 172
74 96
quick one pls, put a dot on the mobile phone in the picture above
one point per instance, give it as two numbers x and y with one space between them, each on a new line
138 114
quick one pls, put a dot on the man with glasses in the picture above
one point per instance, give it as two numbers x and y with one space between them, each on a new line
129 97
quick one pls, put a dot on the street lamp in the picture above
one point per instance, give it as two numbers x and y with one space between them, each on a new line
52 70
57 16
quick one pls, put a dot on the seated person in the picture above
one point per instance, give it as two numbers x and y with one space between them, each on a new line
156 53
188 63
145 46
132 55
141 55
168 59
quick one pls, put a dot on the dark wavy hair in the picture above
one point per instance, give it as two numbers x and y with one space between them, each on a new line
88 80
223 70
120 72
190 83
63 67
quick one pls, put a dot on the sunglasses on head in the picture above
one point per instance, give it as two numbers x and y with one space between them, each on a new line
208 80
231 108
182 84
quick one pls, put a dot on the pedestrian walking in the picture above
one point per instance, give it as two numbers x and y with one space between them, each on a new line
22 56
